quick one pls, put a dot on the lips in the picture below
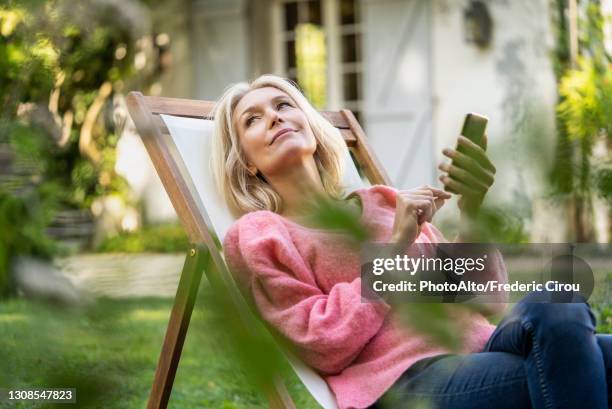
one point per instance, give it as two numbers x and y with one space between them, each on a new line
280 133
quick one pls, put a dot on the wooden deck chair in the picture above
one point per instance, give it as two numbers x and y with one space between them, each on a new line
177 134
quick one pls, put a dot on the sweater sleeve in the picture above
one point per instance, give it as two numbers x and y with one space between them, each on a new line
327 330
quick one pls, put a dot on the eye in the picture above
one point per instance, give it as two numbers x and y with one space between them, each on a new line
250 120
282 104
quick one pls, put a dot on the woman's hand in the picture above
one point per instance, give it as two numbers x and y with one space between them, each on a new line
470 174
413 208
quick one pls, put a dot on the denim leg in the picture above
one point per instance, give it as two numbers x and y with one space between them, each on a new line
605 343
475 381
564 362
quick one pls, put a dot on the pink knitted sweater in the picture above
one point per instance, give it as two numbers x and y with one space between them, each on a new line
306 284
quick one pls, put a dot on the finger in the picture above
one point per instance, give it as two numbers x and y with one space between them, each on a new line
477 152
422 217
424 188
425 199
447 188
435 205
468 163
439 192
423 191
420 190
459 187
439 196
409 197
485 141
419 211
414 200
463 176
440 202
423 208
418 194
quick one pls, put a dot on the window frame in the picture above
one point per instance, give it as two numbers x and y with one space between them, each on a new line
336 68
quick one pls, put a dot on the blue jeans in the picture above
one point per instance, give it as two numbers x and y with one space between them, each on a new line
541 356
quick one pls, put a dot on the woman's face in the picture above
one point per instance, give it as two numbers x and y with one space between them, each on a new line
273 131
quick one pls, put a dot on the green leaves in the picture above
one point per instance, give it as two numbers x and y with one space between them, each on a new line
434 321
22 227
584 105
603 180
9 20
243 335
56 57
495 224
585 111
339 216
583 116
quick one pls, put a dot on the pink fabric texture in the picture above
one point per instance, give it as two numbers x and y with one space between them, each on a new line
306 284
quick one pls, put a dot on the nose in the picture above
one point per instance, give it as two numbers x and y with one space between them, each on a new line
273 117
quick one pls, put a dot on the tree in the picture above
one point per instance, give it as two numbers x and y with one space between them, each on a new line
583 112
61 63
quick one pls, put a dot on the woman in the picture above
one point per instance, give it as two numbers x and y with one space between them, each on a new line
274 155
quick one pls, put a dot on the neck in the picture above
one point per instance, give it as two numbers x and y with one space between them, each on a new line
299 188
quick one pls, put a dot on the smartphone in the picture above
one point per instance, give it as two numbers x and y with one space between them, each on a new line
474 127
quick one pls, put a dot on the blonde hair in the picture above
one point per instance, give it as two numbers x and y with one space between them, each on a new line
245 192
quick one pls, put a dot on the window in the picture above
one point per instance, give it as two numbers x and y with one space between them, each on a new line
319 47
350 67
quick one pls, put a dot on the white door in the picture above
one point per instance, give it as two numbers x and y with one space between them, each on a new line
397 88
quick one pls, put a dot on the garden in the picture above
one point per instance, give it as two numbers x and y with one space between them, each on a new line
65 68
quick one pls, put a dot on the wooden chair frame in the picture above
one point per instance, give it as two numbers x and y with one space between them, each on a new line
146 111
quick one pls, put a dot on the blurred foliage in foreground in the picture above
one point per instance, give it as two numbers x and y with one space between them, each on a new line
22 223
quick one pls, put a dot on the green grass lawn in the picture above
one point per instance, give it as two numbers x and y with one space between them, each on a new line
109 353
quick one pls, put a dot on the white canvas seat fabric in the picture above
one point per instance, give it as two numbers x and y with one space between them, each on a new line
190 145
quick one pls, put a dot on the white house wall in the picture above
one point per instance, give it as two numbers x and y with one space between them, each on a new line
219 46
511 82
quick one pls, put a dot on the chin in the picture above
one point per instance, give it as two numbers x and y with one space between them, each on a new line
293 154
294 148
